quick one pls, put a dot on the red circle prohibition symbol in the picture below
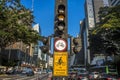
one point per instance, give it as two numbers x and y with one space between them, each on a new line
60 45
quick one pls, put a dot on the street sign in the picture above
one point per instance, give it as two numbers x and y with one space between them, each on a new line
60 45
60 64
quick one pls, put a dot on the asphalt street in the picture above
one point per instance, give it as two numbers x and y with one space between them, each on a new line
24 77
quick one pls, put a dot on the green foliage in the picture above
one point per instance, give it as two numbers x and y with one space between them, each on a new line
15 23
105 36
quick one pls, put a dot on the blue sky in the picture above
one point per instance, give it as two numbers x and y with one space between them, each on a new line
44 15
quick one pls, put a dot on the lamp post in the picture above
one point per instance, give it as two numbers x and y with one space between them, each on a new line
9 53
36 55
26 54
19 54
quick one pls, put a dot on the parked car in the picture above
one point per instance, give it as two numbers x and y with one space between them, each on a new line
2 70
49 71
28 72
12 71
44 72
38 72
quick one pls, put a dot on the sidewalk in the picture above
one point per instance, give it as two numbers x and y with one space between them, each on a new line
3 75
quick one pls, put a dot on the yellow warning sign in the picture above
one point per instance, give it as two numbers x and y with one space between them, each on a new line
60 64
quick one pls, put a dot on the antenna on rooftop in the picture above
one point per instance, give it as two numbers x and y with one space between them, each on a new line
32 5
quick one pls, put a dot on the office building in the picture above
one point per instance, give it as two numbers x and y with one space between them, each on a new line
91 19
97 4
114 2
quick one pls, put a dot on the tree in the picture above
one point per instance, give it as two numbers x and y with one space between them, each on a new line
105 36
15 24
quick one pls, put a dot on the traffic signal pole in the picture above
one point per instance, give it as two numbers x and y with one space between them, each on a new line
60 41
60 56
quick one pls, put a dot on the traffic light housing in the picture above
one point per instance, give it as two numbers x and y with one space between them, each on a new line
46 44
76 45
60 26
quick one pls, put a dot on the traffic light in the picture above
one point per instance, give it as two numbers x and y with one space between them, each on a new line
76 45
46 44
60 27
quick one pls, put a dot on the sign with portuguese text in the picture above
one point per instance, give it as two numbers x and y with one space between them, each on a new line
60 64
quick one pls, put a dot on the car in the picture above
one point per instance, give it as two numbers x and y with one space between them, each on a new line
44 72
28 71
82 74
49 71
105 76
82 77
38 72
94 75
72 74
2 70
10 72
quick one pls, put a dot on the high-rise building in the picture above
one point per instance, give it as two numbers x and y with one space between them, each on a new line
97 4
114 2
89 24
91 19
37 53
83 39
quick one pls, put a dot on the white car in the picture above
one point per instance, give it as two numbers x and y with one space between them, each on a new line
94 75
38 72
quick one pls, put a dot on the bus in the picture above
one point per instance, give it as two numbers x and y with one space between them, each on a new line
108 69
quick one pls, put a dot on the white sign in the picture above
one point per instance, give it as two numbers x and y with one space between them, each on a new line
60 45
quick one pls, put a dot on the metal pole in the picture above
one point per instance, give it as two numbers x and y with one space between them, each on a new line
0 56
19 53
32 5
9 53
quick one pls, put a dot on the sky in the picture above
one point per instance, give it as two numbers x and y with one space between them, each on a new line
43 11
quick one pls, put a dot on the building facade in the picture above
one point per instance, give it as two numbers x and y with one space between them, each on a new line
97 4
114 2
91 19
89 24
83 39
